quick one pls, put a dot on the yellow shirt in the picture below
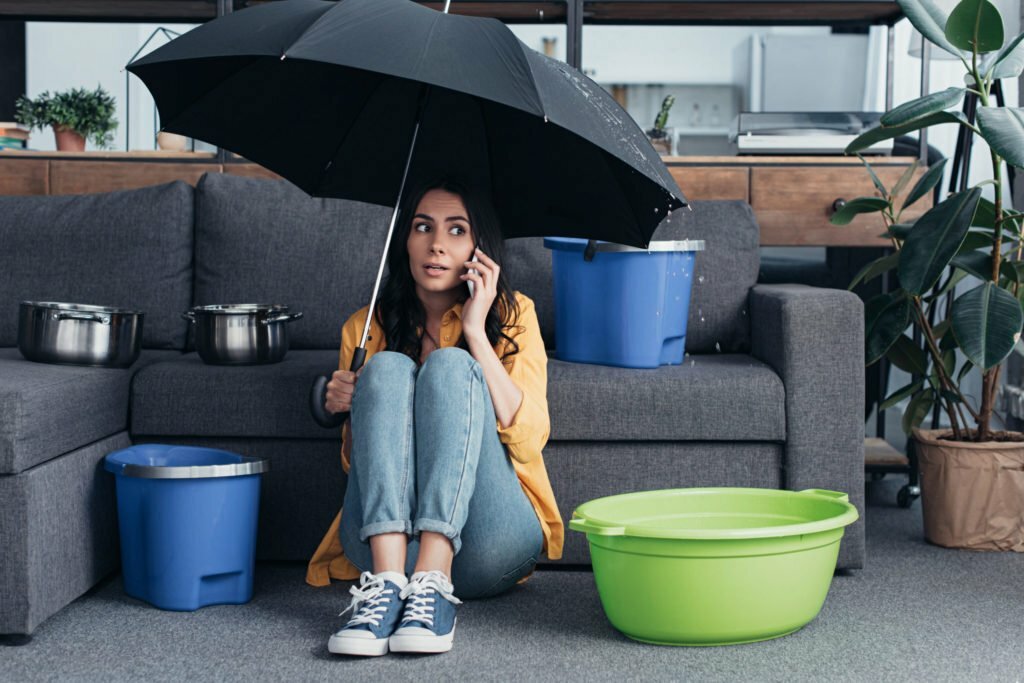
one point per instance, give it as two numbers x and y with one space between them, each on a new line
524 438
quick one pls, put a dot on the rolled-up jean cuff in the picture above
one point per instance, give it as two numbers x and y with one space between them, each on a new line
426 524
391 527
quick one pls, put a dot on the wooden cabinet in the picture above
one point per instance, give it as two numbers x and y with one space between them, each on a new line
794 197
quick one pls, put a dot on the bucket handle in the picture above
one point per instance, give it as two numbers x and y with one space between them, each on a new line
588 527
836 495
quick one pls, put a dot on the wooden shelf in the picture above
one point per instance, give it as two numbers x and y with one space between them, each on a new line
619 12
878 452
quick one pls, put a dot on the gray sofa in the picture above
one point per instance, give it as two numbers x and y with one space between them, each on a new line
771 395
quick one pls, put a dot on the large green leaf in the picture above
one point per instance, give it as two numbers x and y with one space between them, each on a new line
985 216
934 240
875 268
987 322
1010 62
929 104
908 356
918 409
976 240
977 263
879 133
1003 130
907 176
886 316
900 394
855 206
929 180
930 21
975 25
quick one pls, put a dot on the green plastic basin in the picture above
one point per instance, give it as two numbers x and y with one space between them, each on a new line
713 566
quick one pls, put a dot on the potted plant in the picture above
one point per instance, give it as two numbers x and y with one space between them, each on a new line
75 115
662 138
972 477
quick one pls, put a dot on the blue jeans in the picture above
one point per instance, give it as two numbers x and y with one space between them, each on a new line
426 457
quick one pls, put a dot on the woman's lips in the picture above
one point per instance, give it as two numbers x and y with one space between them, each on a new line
435 272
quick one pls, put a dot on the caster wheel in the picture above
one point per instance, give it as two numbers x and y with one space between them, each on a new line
907 495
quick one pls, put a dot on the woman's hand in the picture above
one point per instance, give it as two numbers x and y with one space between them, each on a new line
340 390
474 311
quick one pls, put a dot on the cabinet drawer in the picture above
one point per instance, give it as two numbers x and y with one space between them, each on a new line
711 182
793 204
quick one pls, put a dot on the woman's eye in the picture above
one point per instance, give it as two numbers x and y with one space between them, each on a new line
421 225
457 230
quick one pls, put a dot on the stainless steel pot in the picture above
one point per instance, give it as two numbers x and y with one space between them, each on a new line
241 334
78 334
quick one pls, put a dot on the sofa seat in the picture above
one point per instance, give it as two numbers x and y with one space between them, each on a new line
710 397
586 402
185 396
47 410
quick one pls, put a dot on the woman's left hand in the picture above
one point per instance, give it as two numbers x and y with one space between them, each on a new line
474 311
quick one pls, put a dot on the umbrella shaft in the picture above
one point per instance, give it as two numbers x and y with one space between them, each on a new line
394 216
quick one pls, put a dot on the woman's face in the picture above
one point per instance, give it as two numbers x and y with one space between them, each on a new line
440 241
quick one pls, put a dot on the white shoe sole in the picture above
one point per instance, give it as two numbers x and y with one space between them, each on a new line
427 644
367 647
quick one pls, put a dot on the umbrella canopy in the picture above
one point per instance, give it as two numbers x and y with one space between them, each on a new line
327 95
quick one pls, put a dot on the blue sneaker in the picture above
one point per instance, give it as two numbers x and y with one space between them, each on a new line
428 622
376 607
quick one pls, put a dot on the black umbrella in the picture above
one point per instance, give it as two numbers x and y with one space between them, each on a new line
348 99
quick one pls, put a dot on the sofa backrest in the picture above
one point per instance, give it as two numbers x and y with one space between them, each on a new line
128 248
725 271
267 241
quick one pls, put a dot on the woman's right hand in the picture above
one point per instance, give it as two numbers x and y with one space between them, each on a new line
340 390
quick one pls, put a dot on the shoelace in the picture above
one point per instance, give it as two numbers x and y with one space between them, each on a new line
367 600
420 591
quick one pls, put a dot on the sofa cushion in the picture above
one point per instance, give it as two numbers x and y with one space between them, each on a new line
267 241
47 410
130 248
721 397
187 397
527 264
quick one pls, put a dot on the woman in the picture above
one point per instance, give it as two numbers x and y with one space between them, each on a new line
447 495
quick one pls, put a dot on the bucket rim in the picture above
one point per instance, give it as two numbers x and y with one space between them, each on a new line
579 244
585 521
246 465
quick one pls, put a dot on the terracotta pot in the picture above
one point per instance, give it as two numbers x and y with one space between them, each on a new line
68 140
972 494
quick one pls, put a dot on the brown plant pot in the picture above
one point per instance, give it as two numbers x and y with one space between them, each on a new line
972 494
68 140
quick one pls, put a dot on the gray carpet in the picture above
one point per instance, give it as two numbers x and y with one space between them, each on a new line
917 612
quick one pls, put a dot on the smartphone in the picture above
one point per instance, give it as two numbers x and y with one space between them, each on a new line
470 283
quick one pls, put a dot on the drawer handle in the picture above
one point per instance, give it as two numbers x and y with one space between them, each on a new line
838 204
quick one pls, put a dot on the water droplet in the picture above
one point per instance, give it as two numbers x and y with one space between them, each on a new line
692 363
677 298
702 318
718 347
744 311
545 118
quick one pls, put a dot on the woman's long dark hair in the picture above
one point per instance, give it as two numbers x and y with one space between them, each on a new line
399 310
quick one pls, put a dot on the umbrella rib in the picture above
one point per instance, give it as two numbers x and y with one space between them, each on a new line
344 138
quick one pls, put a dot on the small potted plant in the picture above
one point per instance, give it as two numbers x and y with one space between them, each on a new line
972 475
662 138
75 115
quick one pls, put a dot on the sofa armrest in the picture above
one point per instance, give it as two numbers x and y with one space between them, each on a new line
814 339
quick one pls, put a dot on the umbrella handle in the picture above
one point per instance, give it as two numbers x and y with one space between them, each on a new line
318 395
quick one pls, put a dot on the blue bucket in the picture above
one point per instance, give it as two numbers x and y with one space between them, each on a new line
187 519
625 307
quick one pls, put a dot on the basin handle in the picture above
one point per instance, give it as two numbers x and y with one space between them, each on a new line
841 497
282 318
588 527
